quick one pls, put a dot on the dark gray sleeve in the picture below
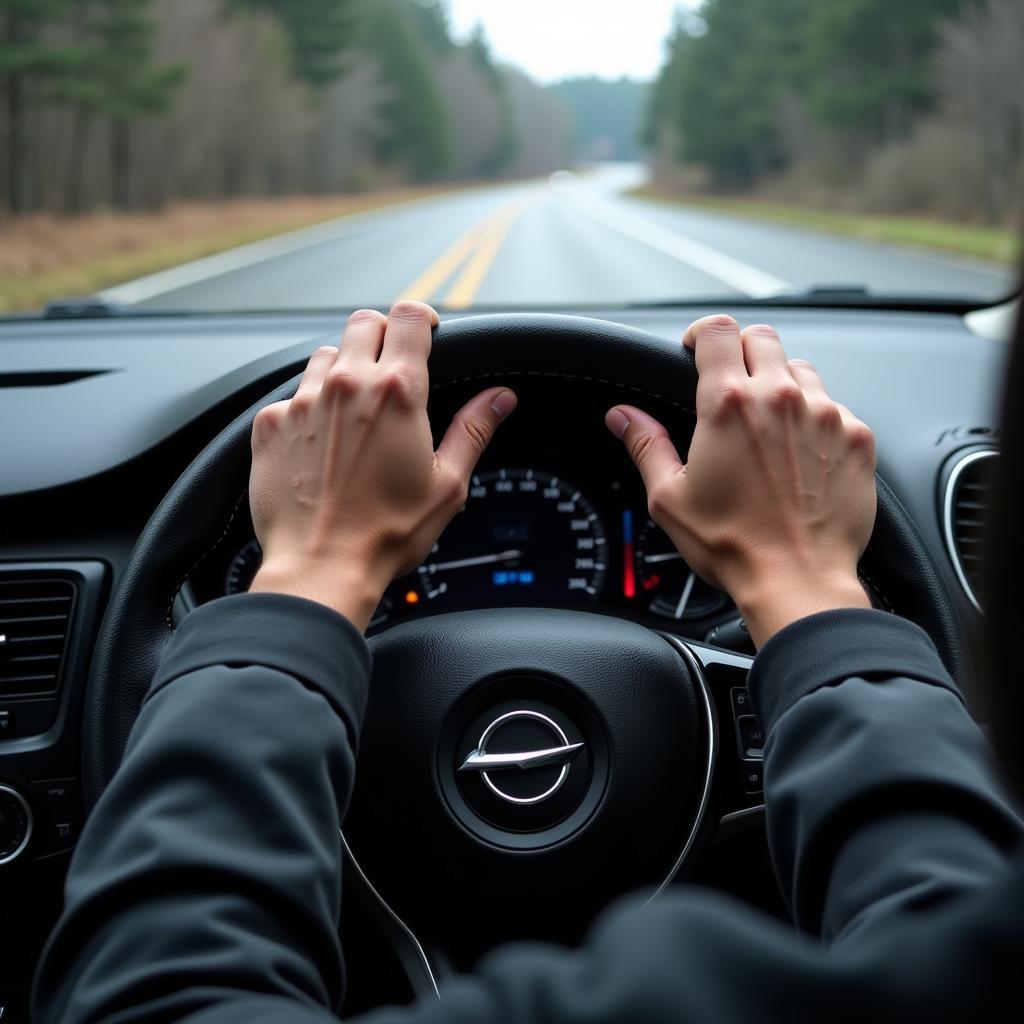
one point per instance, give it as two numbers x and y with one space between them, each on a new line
210 866
207 882
882 795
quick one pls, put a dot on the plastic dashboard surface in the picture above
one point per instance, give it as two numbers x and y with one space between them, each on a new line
98 400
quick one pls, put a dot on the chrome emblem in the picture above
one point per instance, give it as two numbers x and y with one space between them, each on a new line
561 753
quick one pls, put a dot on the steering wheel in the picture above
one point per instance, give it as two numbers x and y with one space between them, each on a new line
539 762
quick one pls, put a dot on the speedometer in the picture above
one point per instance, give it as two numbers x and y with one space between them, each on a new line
523 537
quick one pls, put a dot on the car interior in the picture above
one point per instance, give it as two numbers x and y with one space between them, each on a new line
558 712
105 420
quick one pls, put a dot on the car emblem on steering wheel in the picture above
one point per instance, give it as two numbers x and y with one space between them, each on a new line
562 753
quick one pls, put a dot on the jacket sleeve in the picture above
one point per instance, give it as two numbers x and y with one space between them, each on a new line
206 885
210 867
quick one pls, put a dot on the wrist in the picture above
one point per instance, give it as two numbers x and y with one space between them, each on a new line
352 590
771 604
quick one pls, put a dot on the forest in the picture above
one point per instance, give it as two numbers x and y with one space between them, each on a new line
130 104
914 106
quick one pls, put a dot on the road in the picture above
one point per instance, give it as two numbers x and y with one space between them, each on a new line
580 241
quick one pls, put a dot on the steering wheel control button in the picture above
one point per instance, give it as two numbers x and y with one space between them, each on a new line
740 701
751 737
530 749
753 777
15 824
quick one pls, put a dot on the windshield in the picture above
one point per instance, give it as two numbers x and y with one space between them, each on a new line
235 155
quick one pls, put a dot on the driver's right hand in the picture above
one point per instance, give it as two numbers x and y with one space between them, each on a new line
776 501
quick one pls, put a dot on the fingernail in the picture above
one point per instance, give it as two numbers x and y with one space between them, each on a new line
617 422
503 403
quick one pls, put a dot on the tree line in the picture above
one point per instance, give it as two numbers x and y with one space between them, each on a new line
915 105
134 103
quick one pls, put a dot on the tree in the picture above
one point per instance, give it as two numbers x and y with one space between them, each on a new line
27 58
420 135
869 65
982 78
320 31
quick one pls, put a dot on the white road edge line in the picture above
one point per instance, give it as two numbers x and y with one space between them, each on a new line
733 272
174 278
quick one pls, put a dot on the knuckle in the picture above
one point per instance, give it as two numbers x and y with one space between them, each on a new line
719 322
409 310
302 403
365 315
477 431
640 447
827 415
785 397
393 384
732 397
762 330
860 436
341 383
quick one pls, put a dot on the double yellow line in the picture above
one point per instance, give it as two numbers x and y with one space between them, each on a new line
473 252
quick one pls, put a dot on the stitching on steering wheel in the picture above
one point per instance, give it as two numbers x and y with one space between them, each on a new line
876 590
565 376
202 558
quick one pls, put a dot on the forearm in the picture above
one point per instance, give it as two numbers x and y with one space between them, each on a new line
210 868
881 794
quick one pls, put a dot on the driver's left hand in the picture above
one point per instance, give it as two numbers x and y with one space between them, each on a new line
346 489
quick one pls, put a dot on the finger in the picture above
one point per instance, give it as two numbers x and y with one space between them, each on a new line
363 337
648 444
763 352
717 348
408 339
809 380
316 372
471 431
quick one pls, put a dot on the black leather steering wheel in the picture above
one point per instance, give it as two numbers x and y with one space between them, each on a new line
636 701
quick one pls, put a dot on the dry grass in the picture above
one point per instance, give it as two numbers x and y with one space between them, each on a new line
43 257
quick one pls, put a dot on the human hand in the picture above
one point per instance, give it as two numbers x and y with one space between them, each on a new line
776 502
346 489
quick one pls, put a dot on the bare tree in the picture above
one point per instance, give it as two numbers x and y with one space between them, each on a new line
981 70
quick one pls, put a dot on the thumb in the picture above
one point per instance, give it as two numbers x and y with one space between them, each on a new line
648 444
471 430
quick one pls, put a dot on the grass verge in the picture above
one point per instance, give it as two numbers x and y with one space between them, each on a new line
44 257
998 245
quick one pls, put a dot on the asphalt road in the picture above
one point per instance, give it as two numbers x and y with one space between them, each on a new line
576 242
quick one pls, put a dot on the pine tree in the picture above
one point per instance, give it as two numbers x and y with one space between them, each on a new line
27 60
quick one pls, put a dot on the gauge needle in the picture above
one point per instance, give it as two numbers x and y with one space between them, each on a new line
685 596
667 557
465 563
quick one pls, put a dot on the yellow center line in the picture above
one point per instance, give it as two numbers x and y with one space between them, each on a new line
463 291
447 263
478 237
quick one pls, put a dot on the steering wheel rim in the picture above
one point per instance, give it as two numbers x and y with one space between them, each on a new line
499 348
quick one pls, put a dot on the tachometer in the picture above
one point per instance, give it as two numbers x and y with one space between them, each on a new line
525 537
666 583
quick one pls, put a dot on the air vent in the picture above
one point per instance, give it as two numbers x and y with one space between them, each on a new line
966 504
34 617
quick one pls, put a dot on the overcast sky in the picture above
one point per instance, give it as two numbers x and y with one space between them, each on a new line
552 39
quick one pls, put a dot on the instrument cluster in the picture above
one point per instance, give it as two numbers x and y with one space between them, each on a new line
529 535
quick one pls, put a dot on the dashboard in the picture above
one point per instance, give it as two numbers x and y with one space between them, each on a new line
98 418
554 531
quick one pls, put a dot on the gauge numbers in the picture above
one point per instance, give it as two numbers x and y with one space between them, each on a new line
523 537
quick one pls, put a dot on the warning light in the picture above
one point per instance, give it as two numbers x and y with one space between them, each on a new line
411 597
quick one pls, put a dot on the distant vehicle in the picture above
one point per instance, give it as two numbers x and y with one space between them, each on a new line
563 181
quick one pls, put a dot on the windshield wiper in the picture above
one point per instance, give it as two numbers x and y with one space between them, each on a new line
88 308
